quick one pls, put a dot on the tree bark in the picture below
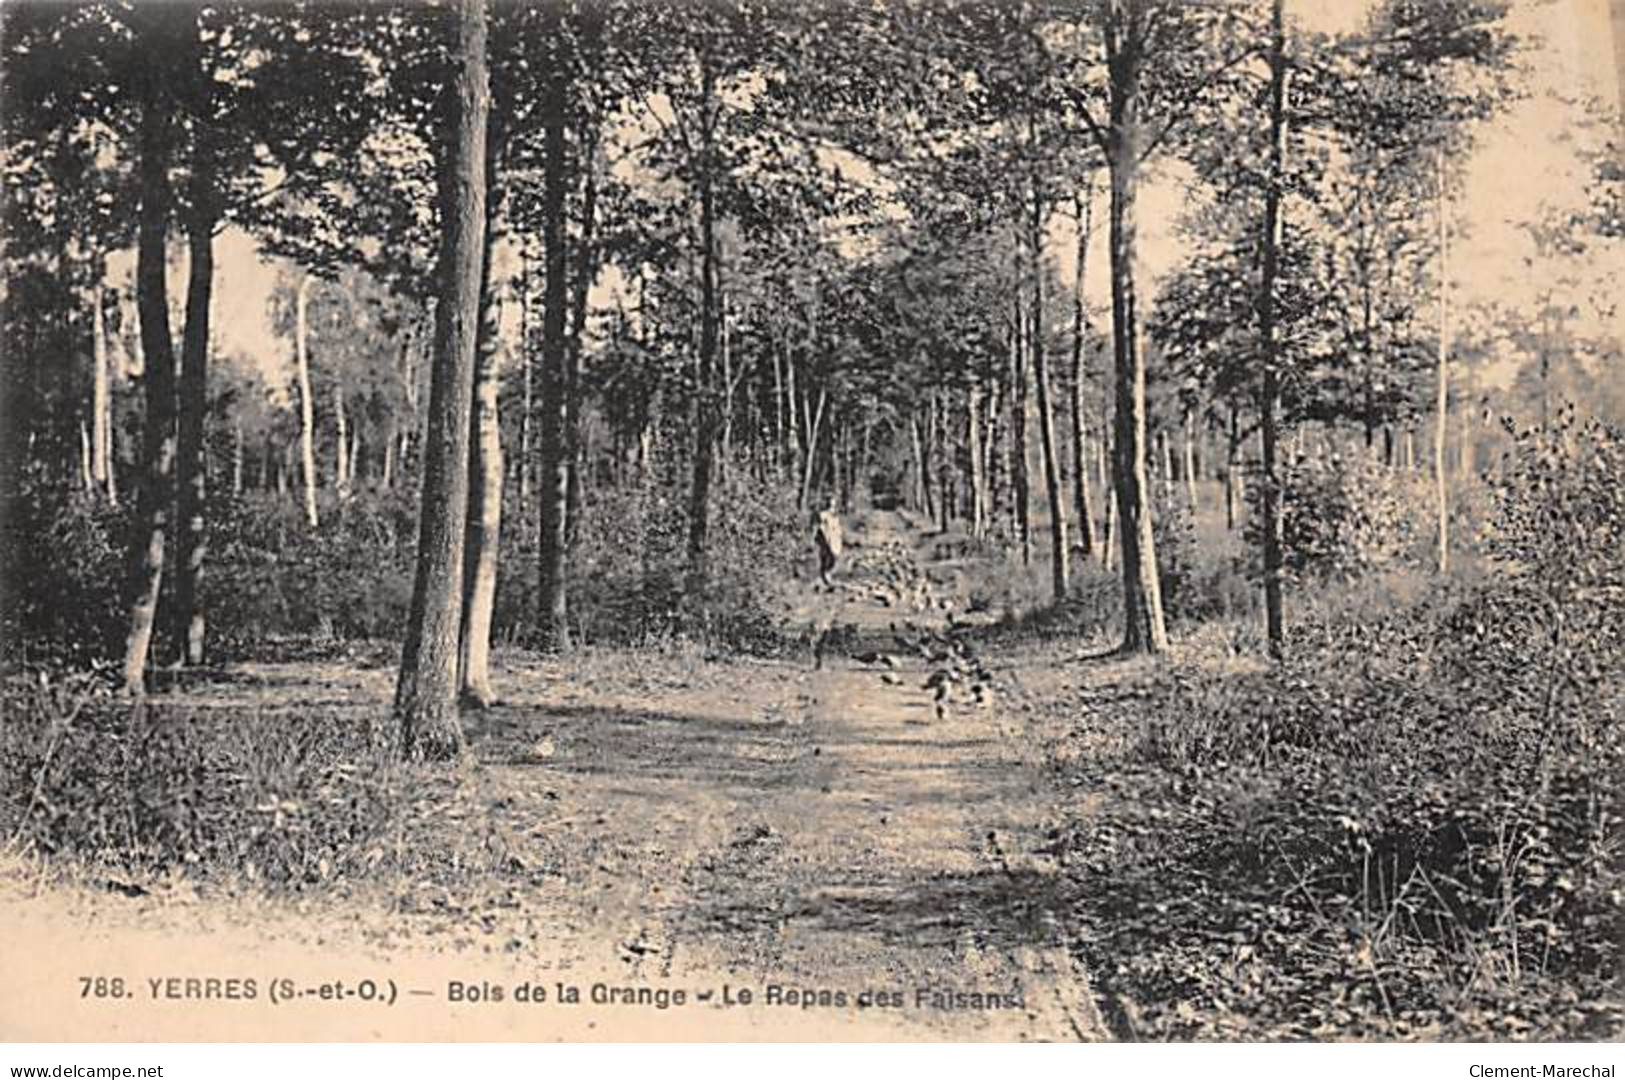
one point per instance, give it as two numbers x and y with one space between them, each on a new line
386 482
482 536
815 423
1187 458
87 479
922 471
939 450
1266 328
585 267
1108 531
705 440
155 141
553 477
426 694
1060 551
527 376
341 449
1232 471
795 443
1442 404
1165 465
189 621
101 397
1145 629
1020 481
978 478
307 406
1084 204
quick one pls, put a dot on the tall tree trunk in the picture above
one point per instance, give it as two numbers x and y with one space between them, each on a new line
978 479
101 397
1060 551
939 450
1108 531
1084 205
87 479
158 439
1187 458
1145 629
705 434
194 392
1266 329
922 471
307 406
779 426
991 458
527 376
585 272
795 442
1232 471
866 461
1165 462
341 443
237 457
1442 404
725 353
482 535
815 423
426 695
553 478
1020 481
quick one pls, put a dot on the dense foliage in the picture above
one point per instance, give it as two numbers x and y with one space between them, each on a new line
1411 827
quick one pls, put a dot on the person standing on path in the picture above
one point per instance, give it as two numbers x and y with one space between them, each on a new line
827 536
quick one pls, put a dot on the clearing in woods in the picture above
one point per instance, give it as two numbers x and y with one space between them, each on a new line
672 823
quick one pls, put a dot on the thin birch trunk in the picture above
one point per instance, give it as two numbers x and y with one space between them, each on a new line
1442 403
307 407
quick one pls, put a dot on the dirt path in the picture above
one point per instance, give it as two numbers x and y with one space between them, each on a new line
834 833
725 829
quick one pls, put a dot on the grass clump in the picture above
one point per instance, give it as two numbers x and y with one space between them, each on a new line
279 799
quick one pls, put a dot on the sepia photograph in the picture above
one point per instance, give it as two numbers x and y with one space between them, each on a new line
844 521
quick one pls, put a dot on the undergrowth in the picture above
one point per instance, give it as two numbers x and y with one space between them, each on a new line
1409 828
278 799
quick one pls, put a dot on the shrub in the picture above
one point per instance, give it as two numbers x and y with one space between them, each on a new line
1342 516
631 564
62 573
289 799
270 574
1412 825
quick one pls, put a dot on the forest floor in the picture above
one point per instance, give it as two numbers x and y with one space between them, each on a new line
719 826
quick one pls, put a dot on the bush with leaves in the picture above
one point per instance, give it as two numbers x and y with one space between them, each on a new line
292 798
631 564
62 572
271 574
1343 516
1412 826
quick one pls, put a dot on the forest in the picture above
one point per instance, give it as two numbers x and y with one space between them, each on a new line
416 416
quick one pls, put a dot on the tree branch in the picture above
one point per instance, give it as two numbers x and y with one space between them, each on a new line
1202 84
